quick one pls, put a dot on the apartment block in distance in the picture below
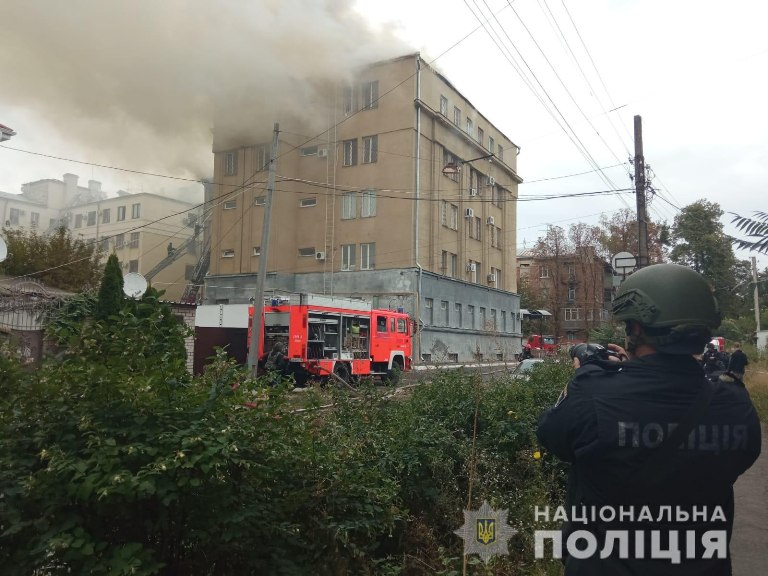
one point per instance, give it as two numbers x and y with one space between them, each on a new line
576 288
124 224
406 199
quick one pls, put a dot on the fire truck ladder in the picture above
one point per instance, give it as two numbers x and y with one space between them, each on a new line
201 268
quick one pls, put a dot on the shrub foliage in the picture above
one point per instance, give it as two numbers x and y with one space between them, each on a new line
113 461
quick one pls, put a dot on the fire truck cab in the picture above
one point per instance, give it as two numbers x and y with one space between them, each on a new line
323 335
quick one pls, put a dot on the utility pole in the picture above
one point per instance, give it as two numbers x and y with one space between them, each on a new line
756 298
258 304
642 219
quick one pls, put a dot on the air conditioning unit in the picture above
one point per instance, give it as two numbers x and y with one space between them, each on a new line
491 181
491 277
322 153
469 213
320 256
471 267
490 221
473 191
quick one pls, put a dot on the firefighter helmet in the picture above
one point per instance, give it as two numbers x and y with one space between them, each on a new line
673 301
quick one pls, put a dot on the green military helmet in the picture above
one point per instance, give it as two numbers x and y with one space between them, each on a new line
667 296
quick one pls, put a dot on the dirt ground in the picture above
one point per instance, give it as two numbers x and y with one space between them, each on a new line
749 542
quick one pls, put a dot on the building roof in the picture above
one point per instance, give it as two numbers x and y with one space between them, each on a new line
19 198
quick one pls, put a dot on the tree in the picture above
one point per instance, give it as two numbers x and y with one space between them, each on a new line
756 228
111 289
700 243
56 259
619 234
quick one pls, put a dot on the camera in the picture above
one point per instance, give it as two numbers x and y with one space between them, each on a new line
588 352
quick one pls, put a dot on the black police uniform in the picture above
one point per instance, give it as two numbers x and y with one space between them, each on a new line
607 424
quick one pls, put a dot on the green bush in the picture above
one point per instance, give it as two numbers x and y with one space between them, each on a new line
113 461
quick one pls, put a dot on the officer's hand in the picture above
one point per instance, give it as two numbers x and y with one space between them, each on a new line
622 354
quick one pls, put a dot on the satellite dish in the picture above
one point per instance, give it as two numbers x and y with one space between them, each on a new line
624 263
3 249
134 285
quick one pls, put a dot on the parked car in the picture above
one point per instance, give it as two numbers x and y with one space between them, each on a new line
522 369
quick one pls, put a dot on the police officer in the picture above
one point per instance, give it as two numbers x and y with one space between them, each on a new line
651 435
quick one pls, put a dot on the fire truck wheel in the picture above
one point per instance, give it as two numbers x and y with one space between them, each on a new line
342 371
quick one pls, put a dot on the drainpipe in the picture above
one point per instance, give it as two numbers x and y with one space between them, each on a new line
418 194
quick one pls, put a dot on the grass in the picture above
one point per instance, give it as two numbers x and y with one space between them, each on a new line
756 380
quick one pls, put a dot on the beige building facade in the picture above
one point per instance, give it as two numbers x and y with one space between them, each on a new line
126 224
407 175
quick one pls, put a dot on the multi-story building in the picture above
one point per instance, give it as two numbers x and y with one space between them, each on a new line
407 198
126 224
577 288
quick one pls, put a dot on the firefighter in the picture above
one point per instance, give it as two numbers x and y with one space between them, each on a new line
649 434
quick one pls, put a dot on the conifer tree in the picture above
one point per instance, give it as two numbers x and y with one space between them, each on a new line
111 290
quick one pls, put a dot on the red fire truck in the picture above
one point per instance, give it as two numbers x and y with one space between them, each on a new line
323 335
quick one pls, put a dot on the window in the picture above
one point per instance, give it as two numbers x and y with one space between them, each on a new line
350 152
92 218
572 313
571 270
480 135
470 127
445 313
449 215
370 149
525 270
371 95
120 213
490 144
14 216
497 196
367 256
471 314
230 204
543 271
256 251
452 264
349 205
260 200
571 293
429 308
34 219
230 164
105 243
493 326
305 252
496 237
105 214
402 327
227 253
119 241
483 325
500 152
348 98
133 266
381 323
347 256
78 219
134 240
457 309
449 158
189 272
474 270
496 274
136 211
309 151
456 116
307 202
504 321
474 228
368 208
443 105
262 157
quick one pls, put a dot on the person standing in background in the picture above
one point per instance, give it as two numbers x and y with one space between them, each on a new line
737 364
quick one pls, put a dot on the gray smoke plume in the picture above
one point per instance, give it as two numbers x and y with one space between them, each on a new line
140 83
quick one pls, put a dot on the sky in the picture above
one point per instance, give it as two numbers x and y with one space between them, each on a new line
137 85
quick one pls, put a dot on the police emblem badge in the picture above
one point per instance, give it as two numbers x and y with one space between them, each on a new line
485 532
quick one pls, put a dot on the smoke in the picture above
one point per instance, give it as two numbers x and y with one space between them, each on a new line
141 83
